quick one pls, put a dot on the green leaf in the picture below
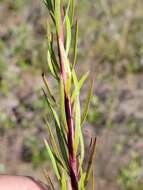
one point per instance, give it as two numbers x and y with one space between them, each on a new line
52 138
64 184
75 80
75 45
50 64
53 161
50 183
62 104
77 124
81 181
76 113
79 86
72 7
51 58
60 163
68 34
48 4
54 145
47 87
90 162
68 84
58 15
66 65
65 58
87 104
62 144
55 115
81 159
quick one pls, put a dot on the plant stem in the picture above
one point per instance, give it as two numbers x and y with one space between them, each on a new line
69 118
72 156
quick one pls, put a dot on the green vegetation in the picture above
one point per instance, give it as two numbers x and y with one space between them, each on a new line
129 178
110 45
114 35
66 148
33 152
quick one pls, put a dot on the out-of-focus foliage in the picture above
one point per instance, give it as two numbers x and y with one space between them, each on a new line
115 33
129 175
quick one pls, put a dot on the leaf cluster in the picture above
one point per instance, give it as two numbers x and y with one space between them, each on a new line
62 31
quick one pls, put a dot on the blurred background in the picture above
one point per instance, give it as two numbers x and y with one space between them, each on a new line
111 47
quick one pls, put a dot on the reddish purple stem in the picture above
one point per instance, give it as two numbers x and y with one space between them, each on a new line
68 110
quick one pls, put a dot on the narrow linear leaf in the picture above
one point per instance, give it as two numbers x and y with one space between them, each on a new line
54 68
64 184
55 115
67 9
68 34
50 64
55 147
75 80
90 162
50 47
49 180
75 44
87 104
47 86
62 144
58 15
48 4
62 104
51 58
80 84
54 59
72 7
77 124
60 163
53 141
53 161
76 113
65 58
81 181
66 66
81 151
